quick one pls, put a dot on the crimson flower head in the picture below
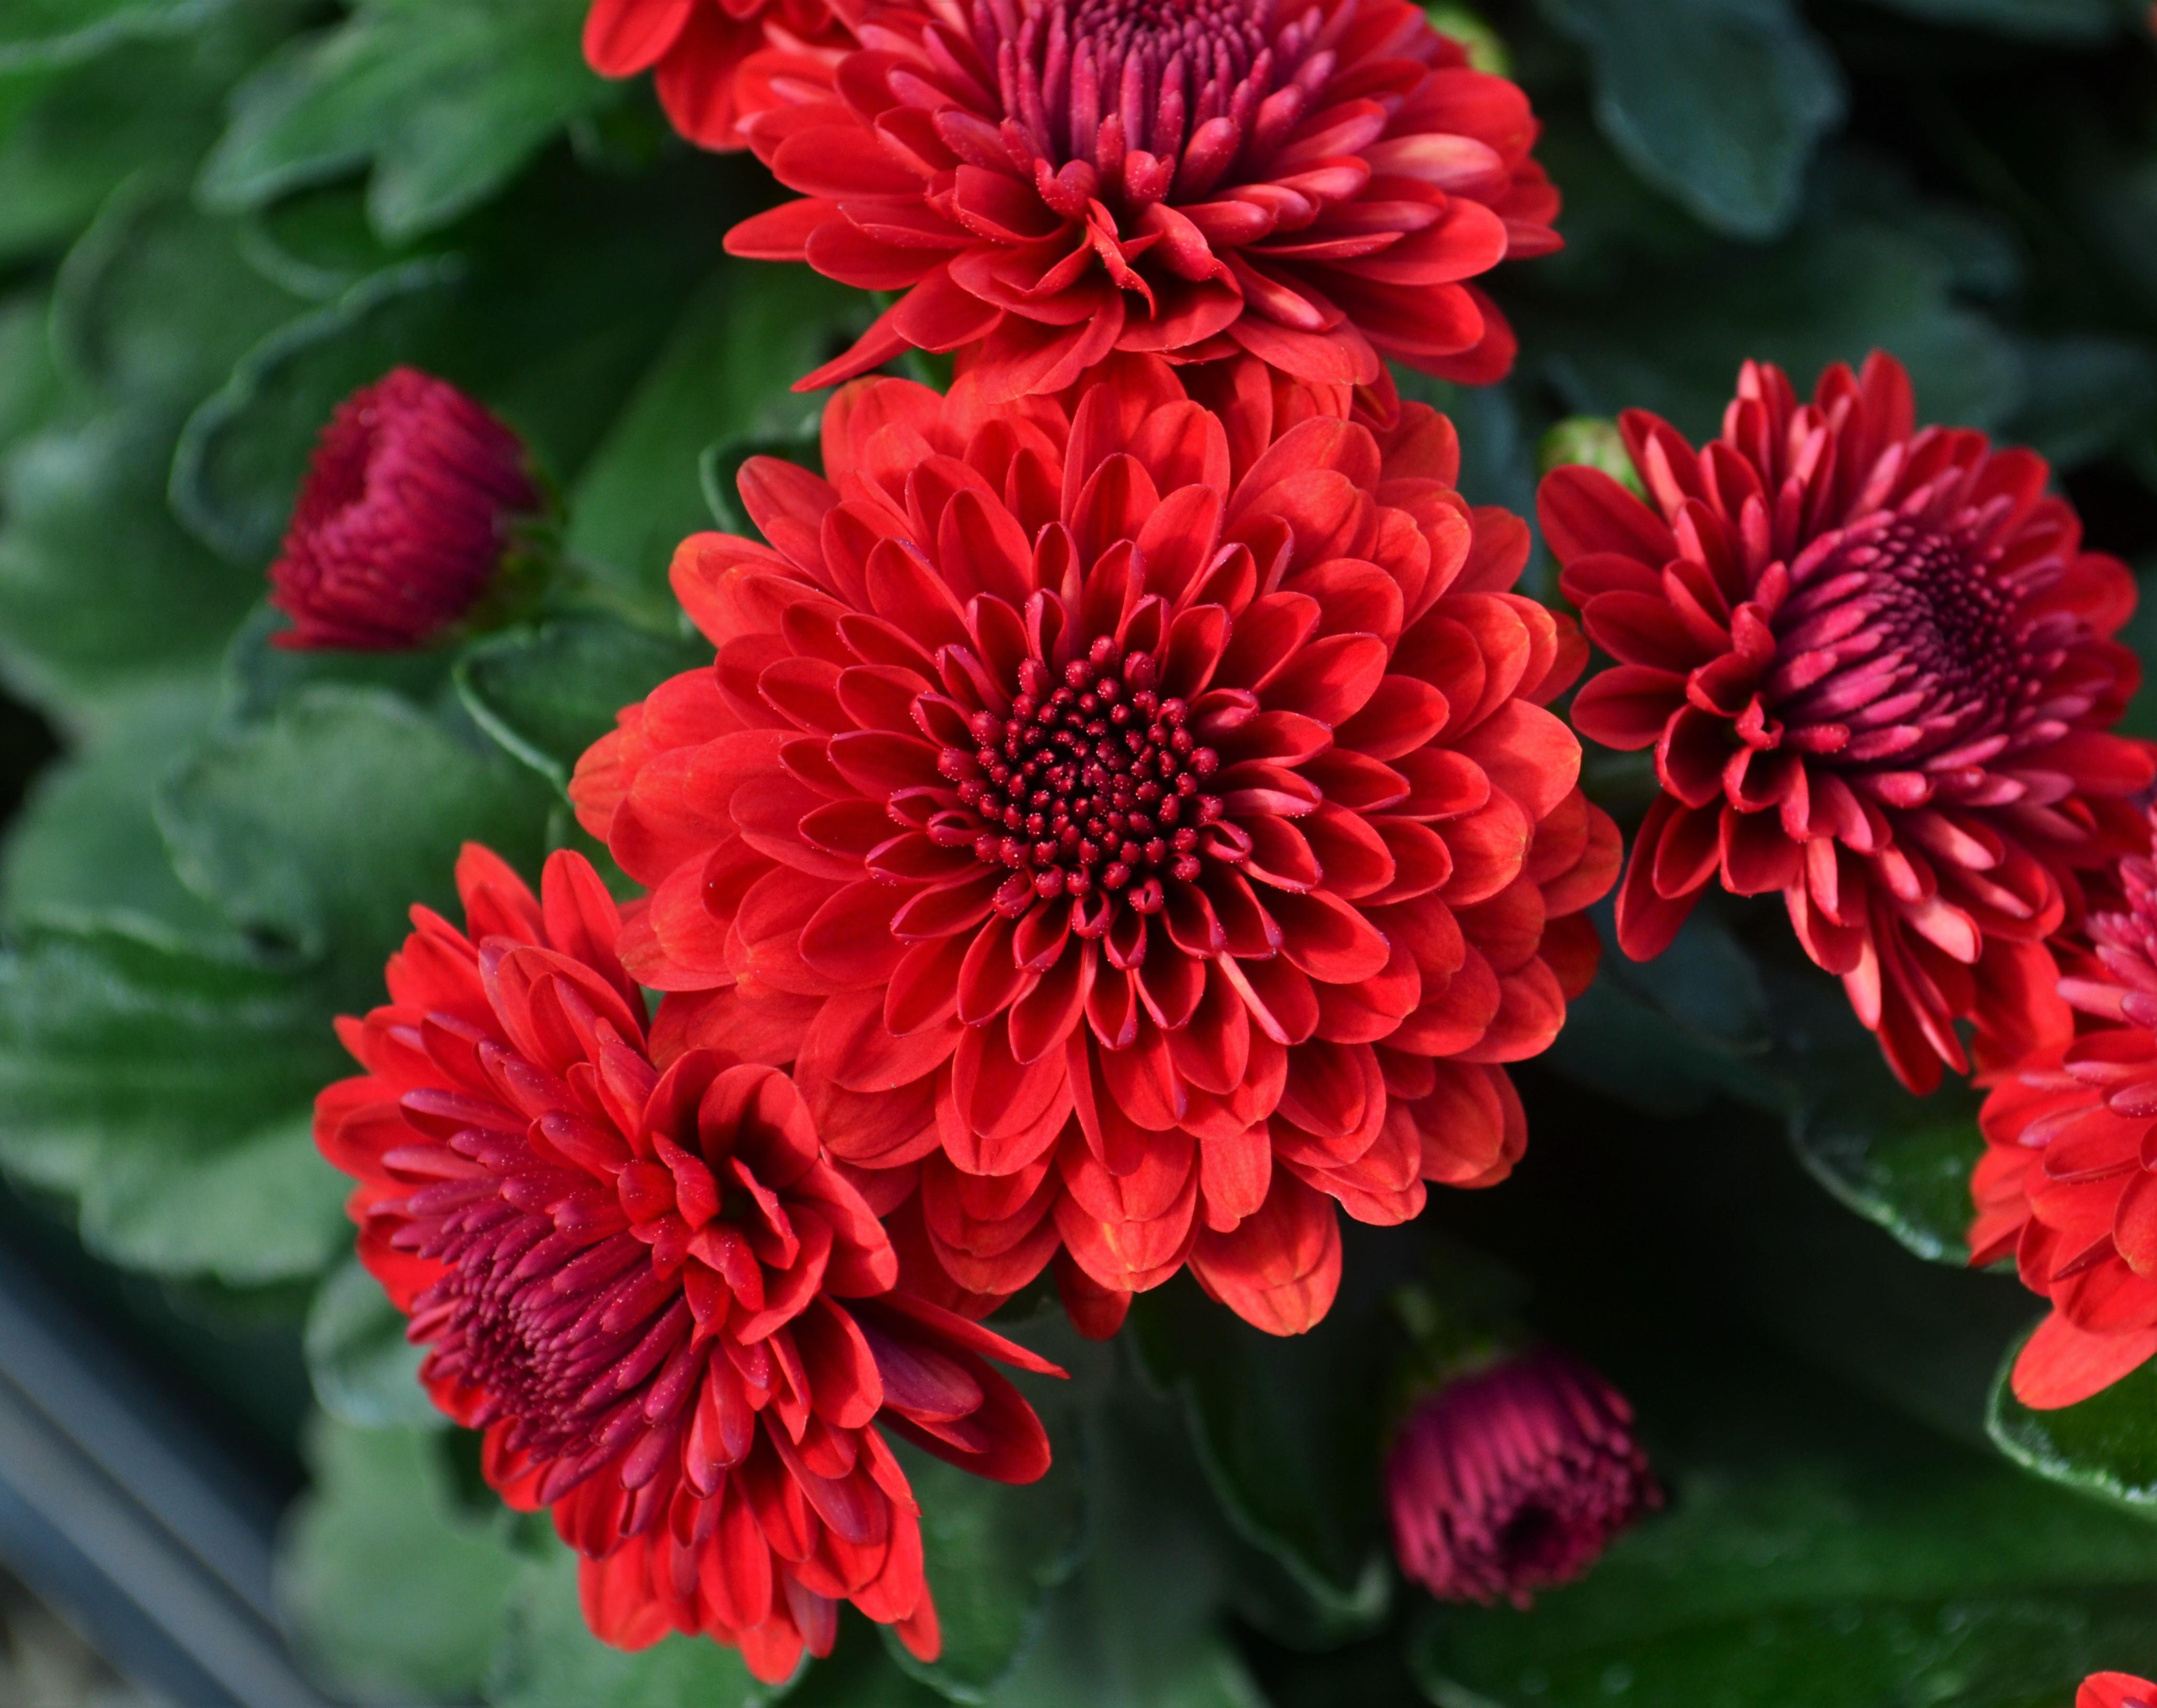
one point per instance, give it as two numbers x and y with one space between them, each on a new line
655 1294
2068 1182
409 504
2116 1691
1053 180
1138 827
697 47
1514 1477
1877 671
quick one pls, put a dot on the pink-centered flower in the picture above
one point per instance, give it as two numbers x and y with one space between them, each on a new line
1878 673
1313 185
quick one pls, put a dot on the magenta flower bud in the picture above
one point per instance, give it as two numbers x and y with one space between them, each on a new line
411 500
1514 1477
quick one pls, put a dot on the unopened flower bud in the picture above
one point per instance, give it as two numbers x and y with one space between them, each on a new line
1513 1477
411 500
2116 1691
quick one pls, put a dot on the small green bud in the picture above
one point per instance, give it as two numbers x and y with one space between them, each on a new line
1486 51
1593 441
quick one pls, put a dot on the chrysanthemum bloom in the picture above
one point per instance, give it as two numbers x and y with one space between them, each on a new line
1876 669
1139 829
1514 1477
695 47
410 501
2116 1691
665 1307
1193 178
2068 1182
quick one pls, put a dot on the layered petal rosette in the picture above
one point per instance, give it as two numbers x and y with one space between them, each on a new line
695 49
1050 182
1877 672
667 1309
1140 828
2067 1185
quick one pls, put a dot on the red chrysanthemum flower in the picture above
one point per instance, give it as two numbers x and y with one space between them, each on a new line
1137 826
696 48
2116 1691
2068 1181
667 1309
1193 178
1514 1477
412 498
1877 670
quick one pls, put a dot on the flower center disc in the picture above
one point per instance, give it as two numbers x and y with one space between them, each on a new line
1089 786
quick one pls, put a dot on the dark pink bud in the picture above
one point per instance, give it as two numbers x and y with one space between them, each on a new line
409 502
1514 1477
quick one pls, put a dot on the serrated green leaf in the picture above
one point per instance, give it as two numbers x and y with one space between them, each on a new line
87 845
546 694
1672 341
446 100
993 1552
522 314
364 1372
725 375
2106 1446
1718 102
69 134
548 1659
1801 1527
322 824
46 32
101 592
155 301
390 1591
165 1089
1290 1429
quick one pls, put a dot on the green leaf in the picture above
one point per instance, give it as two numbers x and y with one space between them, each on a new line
1672 341
364 1372
524 314
69 135
1899 1160
1290 1429
1719 102
546 694
30 387
1801 1527
42 33
323 824
390 1589
445 99
155 301
725 375
166 1090
2106 1446
2088 394
547 1659
100 590
993 1552
87 846
2057 20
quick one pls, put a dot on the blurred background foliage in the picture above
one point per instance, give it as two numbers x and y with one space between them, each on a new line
217 216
